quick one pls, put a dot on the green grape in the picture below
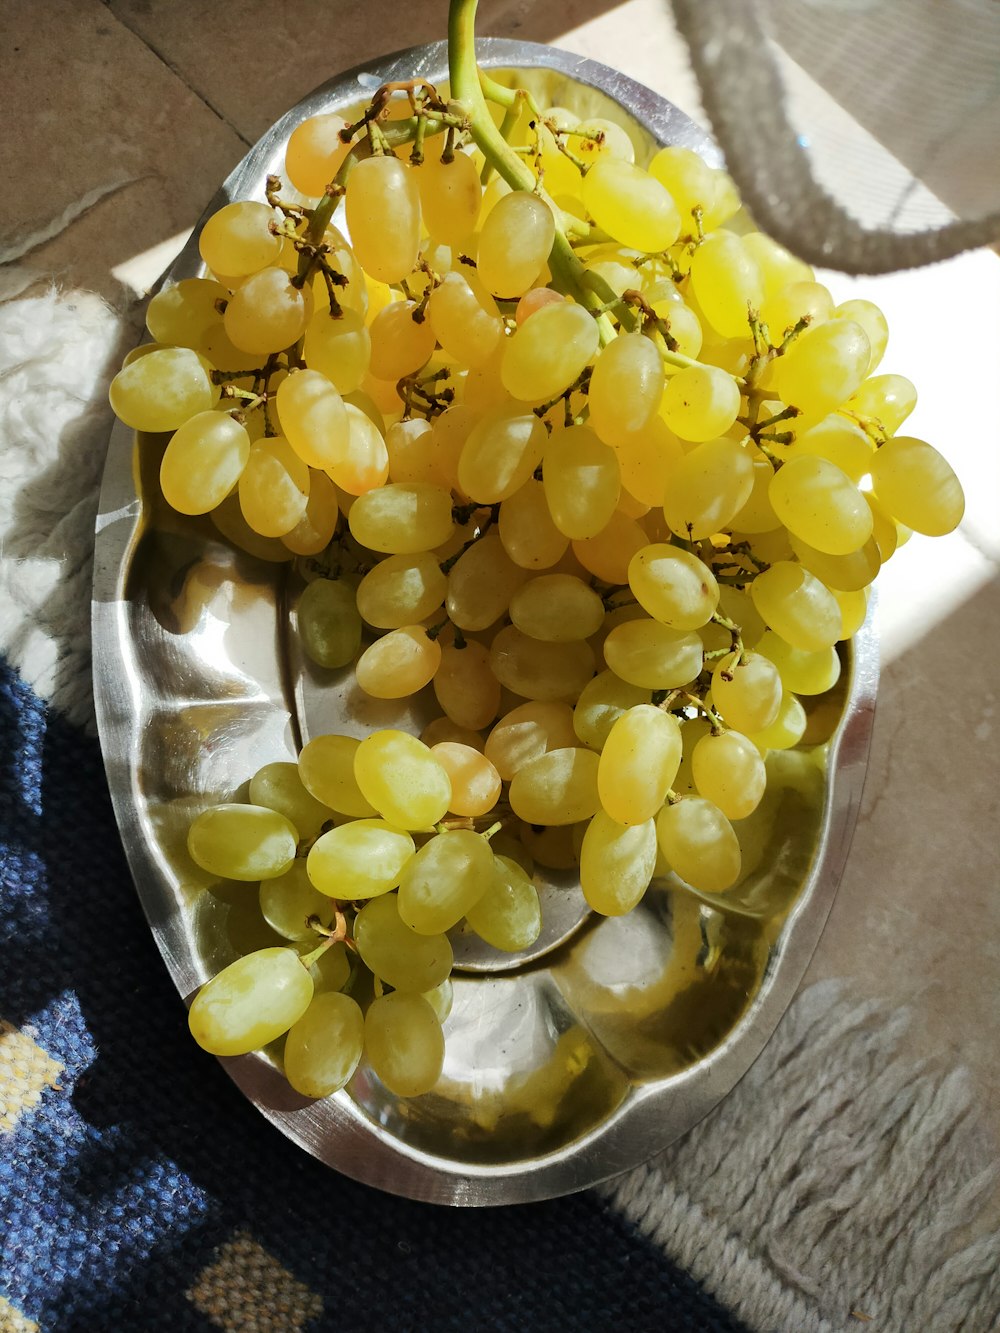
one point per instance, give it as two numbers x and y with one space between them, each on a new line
203 462
331 971
383 217
797 606
243 842
465 687
266 313
313 418
475 783
326 767
339 349
399 664
362 859
508 915
819 503
699 844
481 584
401 343
582 482
278 786
557 608
872 320
329 623
800 672
527 532
315 153
823 366
796 301
710 486
778 266
237 240
465 318
840 441
638 764
500 455
314 530
287 903
631 205
888 398
616 863
559 787
548 352
164 389
700 402
648 654
404 1043
648 461
324 1046
402 779
401 590
526 733
402 518
538 670
746 690
786 730
729 771
625 388
396 954
917 486
273 487
674 586
447 877
514 243
555 847
450 197
441 999
184 314
726 280
365 464
251 1002
602 702
840 572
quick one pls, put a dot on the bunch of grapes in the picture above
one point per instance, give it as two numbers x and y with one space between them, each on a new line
567 443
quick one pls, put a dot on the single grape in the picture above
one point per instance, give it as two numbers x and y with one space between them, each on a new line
602 702
465 687
328 622
237 239
401 590
527 532
746 690
287 903
699 844
548 352
313 418
278 786
526 733
729 772
796 605
324 1046
616 863
710 486
481 584
265 314
674 586
187 313
631 205
874 323
475 783
888 398
700 402
582 482
243 842
539 670
514 243
251 1002
326 767
365 464
402 518
203 462
395 953
362 859
557 608
402 779
383 216
162 390
917 486
401 343
625 388
404 1043
638 764
801 672
819 503
273 487
444 880
398 664
648 654
500 455
465 318
726 280
315 153
508 915
450 197
559 787
339 349
823 366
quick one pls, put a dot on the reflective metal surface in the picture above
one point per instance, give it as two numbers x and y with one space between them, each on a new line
560 1071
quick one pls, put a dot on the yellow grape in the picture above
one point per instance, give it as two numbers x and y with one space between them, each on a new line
228 519
315 153
339 348
244 842
465 319
874 323
699 844
648 459
853 605
819 503
395 953
638 763
797 606
316 527
839 441
674 586
582 481
383 216
625 388
631 205
700 402
757 513
187 313
237 239
786 730
616 863
450 197
648 654
534 300
444 880
500 454
161 390
278 786
527 532
778 266
526 733
729 772
287 903
401 590
404 1043
401 344
412 452
399 664
888 398
783 309
597 139
324 1046
917 486
326 767
559 787
273 487
848 573
443 729
823 367
402 779
402 518
557 608
361 859
328 623
690 181
251 1002
801 672
481 584
607 555
710 486
312 417
365 463
726 280
602 702
538 670
475 783
514 243
465 687
508 915
203 462
746 690
548 352
267 313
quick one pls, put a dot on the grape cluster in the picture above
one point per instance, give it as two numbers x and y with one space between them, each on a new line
603 467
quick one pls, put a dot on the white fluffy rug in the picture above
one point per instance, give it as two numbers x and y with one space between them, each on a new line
839 1186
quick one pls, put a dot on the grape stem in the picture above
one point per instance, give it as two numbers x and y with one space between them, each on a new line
336 936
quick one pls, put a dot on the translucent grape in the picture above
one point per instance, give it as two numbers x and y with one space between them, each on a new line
500 455
582 482
917 486
508 915
404 1043
786 730
324 1047
757 513
872 320
726 280
228 519
625 388
527 532
526 733
326 767
402 779
444 880
329 623
699 843
700 402
401 590
441 999
251 1002
164 389
465 687
616 863
203 462
559 787
821 504
365 464
638 763
278 786
840 441
315 153
796 301
557 608
450 197
538 670
548 352
481 584
244 842
395 953
316 527
534 300
287 903
383 216
648 461
265 314
602 702
729 772
401 344
361 859
746 690
514 243
465 319
797 606
237 239
674 586
853 605
888 398
631 205
597 138
840 572
690 181
800 672
823 366
402 518
340 349
185 314
711 485
412 452
475 783
313 418
273 487
648 654
399 664
778 266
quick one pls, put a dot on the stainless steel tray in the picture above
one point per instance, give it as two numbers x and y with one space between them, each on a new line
560 1071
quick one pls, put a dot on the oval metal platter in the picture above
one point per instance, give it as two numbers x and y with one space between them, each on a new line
614 1036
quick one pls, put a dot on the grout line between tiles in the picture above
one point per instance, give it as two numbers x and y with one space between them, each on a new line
177 73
